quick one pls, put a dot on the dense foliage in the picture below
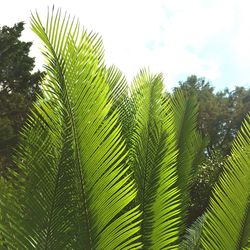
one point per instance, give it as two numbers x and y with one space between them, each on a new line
17 88
104 165
220 113
219 118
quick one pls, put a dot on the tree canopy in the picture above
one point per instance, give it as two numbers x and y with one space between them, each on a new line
220 113
220 116
18 85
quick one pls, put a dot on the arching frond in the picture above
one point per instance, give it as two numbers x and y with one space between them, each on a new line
189 144
75 188
227 224
153 157
185 112
119 94
191 240
117 85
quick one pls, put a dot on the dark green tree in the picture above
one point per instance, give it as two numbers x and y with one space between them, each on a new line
220 113
238 106
18 85
220 116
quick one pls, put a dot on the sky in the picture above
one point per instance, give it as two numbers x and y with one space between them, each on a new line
208 38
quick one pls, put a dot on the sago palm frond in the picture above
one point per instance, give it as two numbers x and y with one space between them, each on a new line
191 239
119 94
189 144
75 189
227 224
185 112
152 157
118 86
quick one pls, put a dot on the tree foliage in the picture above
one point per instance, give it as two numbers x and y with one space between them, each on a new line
220 115
18 86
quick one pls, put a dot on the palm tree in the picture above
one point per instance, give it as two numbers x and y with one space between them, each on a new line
103 165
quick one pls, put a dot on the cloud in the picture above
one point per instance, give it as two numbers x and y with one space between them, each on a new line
205 37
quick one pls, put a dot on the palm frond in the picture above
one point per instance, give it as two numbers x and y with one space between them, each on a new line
191 240
117 85
76 186
119 94
185 111
152 157
189 143
227 224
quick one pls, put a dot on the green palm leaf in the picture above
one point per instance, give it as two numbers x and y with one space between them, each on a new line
153 156
190 145
119 94
227 225
185 112
118 87
191 240
76 189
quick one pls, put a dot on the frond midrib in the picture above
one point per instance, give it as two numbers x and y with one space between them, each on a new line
75 136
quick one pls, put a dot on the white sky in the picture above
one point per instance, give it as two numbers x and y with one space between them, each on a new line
209 38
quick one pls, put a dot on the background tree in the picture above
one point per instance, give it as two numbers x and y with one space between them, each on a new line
220 113
18 85
219 118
